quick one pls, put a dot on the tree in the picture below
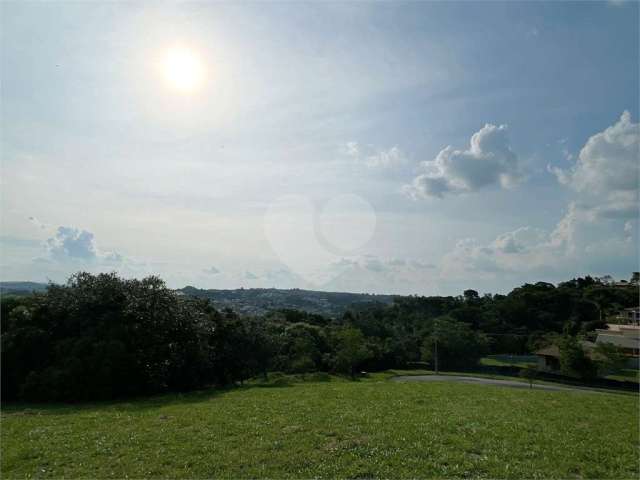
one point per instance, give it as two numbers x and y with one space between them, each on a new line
609 358
101 337
350 350
574 361
458 345
470 295
302 348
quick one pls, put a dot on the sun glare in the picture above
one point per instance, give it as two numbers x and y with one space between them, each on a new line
183 69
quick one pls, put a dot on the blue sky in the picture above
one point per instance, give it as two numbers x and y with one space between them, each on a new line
422 148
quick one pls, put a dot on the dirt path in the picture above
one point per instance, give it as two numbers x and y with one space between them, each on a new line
489 381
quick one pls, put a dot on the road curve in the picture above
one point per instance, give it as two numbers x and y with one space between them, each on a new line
488 381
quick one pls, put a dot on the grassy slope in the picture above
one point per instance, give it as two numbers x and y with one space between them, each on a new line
372 428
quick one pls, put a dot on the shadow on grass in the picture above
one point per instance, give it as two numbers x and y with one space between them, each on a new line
275 380
131 404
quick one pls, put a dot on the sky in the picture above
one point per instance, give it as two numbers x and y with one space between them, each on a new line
407 148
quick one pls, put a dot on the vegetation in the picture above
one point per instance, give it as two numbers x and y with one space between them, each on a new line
351 350
103 337
259 301
330 429
609 358
457 344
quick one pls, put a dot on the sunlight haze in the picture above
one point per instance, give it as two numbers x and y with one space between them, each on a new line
371 147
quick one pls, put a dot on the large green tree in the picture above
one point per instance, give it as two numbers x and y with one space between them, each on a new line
350 350
457 344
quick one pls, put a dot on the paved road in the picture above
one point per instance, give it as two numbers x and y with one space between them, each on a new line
487 381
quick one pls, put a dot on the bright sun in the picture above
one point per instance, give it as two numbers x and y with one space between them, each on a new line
183 69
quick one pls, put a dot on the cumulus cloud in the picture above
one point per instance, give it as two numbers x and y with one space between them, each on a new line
575 244
518 241
488 161
72 243
606 171
608 161
374 157
598 229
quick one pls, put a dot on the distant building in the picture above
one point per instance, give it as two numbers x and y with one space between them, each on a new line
627 337
549 357
629 316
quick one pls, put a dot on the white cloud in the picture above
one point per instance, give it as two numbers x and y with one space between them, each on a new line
630 230
597 232
606 171
608 161
576 244
211 271
373 157
519 241
72 243
488 161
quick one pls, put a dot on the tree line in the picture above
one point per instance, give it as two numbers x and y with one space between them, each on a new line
102 336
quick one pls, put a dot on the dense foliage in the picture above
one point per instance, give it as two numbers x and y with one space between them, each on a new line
100 336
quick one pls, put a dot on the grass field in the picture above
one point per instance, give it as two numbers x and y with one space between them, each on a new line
626 375
509 360
370 428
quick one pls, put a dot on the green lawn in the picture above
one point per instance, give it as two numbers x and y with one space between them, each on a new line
509 360
626 375
370 428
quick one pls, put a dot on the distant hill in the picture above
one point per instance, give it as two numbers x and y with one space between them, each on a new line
21 288
257 301
253 301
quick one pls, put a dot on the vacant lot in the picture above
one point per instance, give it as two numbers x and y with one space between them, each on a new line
371 428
